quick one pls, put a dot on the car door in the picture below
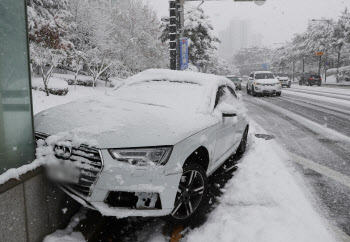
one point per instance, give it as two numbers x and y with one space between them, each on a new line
225 138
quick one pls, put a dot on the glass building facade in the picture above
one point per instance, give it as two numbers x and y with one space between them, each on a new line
17 145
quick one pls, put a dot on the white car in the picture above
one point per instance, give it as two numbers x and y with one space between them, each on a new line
262 83
284 79
157 138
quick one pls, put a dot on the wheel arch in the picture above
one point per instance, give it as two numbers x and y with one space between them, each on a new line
201 156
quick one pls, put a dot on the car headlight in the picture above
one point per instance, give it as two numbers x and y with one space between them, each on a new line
142 156
257 83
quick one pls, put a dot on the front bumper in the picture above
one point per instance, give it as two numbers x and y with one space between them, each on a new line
124 178
267 89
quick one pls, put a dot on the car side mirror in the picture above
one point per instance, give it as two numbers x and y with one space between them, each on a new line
228 115
227 110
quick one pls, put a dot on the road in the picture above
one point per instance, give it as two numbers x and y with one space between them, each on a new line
313 125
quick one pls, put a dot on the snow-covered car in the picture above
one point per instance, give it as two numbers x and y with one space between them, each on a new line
263 82
156 138
236 80
284 79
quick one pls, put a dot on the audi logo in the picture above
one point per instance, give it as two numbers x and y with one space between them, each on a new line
63 152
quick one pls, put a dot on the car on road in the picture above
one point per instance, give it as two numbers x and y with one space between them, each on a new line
236 80
284 79
310 79
263 83
156 139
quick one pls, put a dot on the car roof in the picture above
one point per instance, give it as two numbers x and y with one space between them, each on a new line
232 76
258 72
202 79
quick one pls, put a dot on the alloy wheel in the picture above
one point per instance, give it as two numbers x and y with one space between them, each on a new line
189 194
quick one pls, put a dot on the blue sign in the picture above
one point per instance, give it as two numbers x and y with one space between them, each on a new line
183 53
265 66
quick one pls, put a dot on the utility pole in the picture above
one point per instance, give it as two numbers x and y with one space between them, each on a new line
303 65
293 69
319 65
173 33
325 69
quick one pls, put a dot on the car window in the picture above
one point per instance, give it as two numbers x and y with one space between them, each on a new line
264 76
225 94
219 94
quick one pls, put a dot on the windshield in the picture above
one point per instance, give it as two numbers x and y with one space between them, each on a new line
233 78
264 76
177 95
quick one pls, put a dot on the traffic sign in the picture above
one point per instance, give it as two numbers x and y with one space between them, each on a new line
319 54
183 53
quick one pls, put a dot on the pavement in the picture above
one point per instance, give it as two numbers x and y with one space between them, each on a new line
313 125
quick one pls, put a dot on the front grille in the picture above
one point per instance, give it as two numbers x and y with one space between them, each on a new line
91 165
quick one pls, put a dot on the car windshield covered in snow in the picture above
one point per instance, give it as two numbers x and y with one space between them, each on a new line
264 76
170 94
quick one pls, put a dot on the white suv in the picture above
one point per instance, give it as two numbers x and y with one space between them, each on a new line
263 82
157 138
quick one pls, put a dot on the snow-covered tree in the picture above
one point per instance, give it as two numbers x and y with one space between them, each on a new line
202 41
341 36
98 62
77 62
46 58
134 38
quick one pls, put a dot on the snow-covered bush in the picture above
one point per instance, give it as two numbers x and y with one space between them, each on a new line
79 80
343 74
56 86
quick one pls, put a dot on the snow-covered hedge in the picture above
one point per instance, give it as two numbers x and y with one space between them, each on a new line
344 73
85 81
56 86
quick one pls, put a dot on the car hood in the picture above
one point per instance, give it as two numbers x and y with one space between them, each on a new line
267 81
109 122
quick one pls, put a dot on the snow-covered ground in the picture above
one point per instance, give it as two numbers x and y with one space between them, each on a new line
42 102
266 201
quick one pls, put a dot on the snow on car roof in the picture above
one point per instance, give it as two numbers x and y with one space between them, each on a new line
256 72
178 76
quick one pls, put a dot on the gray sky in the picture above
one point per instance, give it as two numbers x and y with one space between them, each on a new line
277 20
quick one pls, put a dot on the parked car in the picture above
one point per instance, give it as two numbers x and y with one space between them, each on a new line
262 83
236 80
284 79
157 138
310 79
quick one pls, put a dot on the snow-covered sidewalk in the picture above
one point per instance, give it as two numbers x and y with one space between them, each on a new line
265 201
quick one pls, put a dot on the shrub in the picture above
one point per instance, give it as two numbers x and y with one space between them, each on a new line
56 86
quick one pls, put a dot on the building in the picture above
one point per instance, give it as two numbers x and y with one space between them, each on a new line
238 35
235 37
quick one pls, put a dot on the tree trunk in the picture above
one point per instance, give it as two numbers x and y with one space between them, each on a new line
338 66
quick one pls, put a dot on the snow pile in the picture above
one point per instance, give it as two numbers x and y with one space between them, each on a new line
264 202
56 86
68 235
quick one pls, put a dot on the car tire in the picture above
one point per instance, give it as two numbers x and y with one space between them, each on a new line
192 195
243 145
278 94
248 92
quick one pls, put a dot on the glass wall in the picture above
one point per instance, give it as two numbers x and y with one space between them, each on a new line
16 125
